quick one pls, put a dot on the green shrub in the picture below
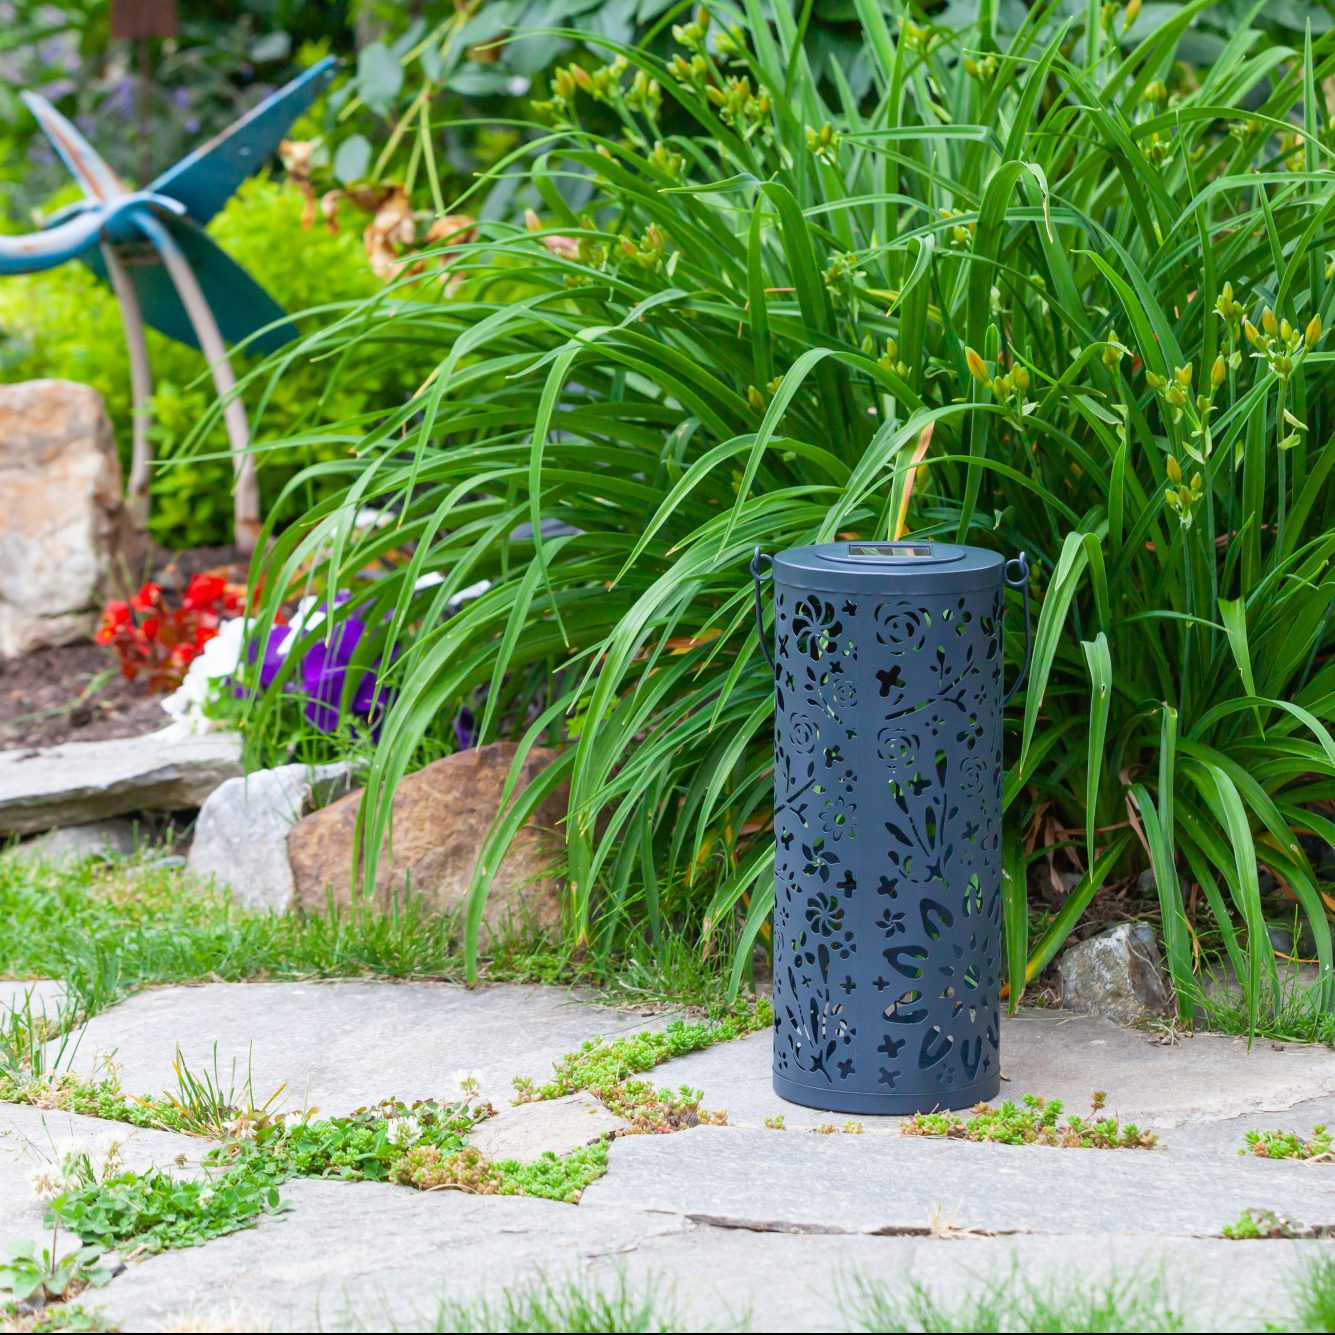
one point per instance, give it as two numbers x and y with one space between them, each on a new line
64 324
1033 256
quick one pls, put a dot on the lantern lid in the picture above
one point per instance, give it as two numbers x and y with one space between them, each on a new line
904 564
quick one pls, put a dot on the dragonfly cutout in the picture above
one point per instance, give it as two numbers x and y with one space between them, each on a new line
166 271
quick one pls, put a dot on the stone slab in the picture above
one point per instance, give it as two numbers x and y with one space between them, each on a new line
798 1182
1056 1054
734 1279
367 1256
28 1137
530 1130
356 1256
339 1046
1227 1135
44 996
79 782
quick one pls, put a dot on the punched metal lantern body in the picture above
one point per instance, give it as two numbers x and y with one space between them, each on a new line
887 787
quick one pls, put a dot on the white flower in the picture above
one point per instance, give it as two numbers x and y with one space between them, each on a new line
108 1153
206 1195
47 1182
72 1151
220 658
403 1131
469 1082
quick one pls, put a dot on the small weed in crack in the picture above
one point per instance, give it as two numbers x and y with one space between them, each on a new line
1289 1145
1035 1121
1252 1224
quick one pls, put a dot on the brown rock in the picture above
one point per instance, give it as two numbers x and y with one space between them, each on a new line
441 816
61 517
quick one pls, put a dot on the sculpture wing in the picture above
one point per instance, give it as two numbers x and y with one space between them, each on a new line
205 179
85 165
239 304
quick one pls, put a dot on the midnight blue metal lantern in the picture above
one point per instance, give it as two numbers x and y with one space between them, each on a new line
888 661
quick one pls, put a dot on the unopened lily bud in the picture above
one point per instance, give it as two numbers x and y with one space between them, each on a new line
1252 333
1269 323
1183 375
1218 371
1156 382
755 398
1132 14
1021 378
1312 334
977 367
1174 471
1285 330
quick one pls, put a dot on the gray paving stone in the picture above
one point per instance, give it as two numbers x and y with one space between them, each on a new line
529 1131
1056 1054
726 1279
344 1045
798 1182
1227 1135
44 995
351 1256
28 1137
367 1256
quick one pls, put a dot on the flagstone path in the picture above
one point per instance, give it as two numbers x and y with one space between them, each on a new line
737 1223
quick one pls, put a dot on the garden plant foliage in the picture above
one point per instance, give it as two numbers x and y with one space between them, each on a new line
1043 290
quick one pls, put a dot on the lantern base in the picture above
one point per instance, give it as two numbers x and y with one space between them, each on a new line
829 1099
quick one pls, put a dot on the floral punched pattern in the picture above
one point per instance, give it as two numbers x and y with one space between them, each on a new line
887 928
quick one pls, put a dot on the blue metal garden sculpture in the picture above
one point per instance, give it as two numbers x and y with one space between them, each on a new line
151 246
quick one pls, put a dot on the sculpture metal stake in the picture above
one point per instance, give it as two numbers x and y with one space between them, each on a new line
165 270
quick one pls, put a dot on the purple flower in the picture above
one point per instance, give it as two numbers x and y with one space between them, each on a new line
274 655
465 728
324 670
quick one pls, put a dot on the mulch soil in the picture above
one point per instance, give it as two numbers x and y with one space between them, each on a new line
75 693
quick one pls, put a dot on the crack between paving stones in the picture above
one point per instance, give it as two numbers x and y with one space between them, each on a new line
883 1231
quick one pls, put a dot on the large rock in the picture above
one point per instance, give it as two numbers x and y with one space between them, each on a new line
61 516
1117 973
241 835
79 782
441 816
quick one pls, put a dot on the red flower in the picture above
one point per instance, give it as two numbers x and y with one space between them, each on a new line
203 592
114 616
161 643
148 594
